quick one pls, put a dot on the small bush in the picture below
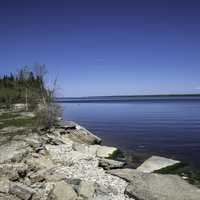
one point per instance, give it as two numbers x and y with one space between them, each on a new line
47 115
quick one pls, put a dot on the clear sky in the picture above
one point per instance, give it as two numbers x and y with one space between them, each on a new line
105 47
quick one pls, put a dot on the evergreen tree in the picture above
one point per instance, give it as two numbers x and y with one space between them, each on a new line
25 86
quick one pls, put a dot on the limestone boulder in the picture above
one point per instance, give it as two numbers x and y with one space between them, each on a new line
64 191
4 196
156 163
86 189
4 185
40 162
110 164
21 191
13 171
13 151
65 155
82 135
152 186
106 152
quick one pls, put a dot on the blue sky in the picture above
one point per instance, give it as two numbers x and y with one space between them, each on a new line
106 47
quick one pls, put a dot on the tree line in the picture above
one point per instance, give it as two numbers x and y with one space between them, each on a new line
26 86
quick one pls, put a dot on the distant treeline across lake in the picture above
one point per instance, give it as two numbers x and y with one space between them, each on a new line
113 99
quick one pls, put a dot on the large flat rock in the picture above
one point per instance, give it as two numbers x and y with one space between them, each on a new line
96 150
64 191
81 134
13 151
106 152
64 154
152 186
156 163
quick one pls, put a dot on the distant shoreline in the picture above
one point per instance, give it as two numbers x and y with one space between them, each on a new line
131 96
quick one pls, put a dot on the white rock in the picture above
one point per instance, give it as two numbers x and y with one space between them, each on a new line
65 155
106 152
19 106
156 163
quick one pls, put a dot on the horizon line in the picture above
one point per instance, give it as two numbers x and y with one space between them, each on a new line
145 95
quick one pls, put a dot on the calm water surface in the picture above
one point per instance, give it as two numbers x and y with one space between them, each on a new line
162 126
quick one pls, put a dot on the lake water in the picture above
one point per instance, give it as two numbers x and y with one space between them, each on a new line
168 126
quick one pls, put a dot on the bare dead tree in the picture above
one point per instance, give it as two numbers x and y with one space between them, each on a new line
23 74
40 72
48 113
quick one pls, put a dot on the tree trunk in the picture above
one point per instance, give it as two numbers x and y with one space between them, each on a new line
26 99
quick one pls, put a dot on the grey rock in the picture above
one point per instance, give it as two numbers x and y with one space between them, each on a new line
64 191
86 189
49 175
64 154
81 134
66 140
4 185
147 186
33 140
21 191
8 197
85 148
46 193
38 176
101 190
41 162
13 151
13 171
156 163
67 125
59 131
127 174
54 140
57 139
110 164
102 197
75 183
95 150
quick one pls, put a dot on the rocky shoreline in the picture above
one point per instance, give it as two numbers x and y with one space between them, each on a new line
68 162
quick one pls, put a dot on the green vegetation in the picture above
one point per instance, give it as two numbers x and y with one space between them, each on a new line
25 86
7 116
16 119
28 122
